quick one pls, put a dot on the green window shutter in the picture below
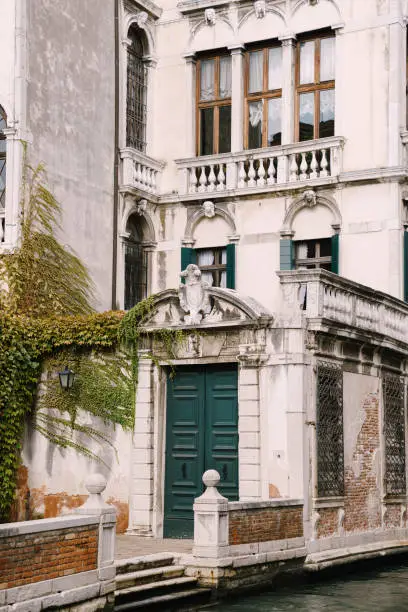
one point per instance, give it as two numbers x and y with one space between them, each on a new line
406 266
335 254
230 266
188 256
286 254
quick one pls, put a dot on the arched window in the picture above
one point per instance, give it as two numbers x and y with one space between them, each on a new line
136 92
136 263
3 125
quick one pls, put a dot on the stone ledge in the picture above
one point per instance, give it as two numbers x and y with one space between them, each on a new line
264 503
340 556
9 530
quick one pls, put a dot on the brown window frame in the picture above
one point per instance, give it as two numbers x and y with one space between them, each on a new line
262 95
217 266
315 87
216 103
317 261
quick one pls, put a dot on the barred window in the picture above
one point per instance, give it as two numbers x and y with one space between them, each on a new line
136 264
329 430
136 93
394 434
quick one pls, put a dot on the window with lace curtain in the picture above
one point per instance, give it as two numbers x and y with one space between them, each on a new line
213 266
315 86
3 125
214 105
263 94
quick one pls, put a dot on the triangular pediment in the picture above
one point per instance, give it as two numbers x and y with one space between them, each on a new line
225 308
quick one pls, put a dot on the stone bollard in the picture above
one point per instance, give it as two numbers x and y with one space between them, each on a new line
211 538
94 505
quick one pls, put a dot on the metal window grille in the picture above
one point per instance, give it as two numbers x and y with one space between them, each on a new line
394 434
329 430
136 100
135 274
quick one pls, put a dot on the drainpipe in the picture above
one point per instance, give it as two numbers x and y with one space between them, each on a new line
116 159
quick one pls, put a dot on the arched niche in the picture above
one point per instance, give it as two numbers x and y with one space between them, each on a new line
307 15
270 26
209 225
205 36
140 22
311 216
139 209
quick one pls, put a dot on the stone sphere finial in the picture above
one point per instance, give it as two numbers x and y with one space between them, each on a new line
95 484
211 478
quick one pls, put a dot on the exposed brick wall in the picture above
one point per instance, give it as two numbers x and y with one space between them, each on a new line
41 556
362 491
328 523
265 524
392 517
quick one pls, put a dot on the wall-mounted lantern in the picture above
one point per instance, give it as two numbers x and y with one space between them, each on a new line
66 378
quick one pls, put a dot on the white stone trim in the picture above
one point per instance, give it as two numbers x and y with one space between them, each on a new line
9 530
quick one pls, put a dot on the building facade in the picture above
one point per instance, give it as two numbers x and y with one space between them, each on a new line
260 149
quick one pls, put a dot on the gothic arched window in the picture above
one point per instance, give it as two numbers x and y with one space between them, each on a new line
3 152
136 92
136 263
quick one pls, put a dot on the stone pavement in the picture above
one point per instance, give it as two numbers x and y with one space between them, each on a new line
128 546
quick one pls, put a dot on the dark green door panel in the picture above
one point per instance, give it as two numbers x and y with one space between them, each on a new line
202 433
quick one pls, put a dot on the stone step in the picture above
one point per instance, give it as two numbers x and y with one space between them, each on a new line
134 564
154 589
190 599
146 576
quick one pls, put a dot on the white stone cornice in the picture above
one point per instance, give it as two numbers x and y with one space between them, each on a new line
150 7
287 39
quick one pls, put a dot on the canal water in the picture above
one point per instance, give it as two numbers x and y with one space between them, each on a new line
374 590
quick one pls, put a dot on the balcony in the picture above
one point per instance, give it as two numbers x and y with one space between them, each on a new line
140 173
330 300
313 162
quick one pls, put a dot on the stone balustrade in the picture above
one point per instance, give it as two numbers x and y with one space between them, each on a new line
262 169
324 295
140 172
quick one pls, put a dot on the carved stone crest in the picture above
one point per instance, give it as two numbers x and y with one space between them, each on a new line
260 8
313 2
310 197
141 18
210 16
193 295
140 207
209 209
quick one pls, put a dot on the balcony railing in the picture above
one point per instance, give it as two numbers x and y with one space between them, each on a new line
262 169
140 172
324 295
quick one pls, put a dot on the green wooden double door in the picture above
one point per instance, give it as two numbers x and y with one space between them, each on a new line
202 434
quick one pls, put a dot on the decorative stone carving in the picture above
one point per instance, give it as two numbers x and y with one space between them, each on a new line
313 2
209 209
310 198
252 355
260 9
210 16
141 207
141 18
193 295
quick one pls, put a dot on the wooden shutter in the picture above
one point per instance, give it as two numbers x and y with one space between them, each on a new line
230 266
188 256
286 254
335 254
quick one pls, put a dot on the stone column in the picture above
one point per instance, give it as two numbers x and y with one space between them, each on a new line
150 63
190 124
211 535
397 85
141 485
237 97
288 88
249 453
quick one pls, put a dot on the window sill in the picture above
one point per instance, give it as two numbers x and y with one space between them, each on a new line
328 502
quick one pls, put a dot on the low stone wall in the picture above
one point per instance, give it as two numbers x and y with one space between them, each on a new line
64 563
251 522
34 553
